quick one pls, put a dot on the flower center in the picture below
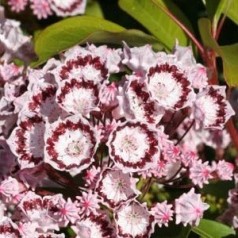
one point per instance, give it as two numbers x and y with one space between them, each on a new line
74 148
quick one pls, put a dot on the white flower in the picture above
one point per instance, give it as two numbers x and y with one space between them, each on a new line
169 86
27 141
133 146
134 221
189 208
211 109
70 144
68 8
78 97
94 226
115 187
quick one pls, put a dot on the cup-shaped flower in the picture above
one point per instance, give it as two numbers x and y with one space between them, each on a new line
70 144
115 187
133 220
27 141
133 146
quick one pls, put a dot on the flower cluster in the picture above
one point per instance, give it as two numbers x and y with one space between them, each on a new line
44 8
79 134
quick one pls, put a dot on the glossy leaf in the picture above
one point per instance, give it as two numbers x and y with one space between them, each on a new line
131 37
93 9
215 9
212 229
228 53
153 15
67 33
231 9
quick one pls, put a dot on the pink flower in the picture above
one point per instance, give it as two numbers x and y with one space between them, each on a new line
87 67
169 86
211 109
133 220
200 173
63 211
9 72
70 144
197 73
88 203
108 93
12 39
27 229
10 187
188 156
112 57
68 8
126 149
27 141
94 226
78 97
41 8
141 107
91 177
115 187
171 153
189 208
105 128
162 213
17 5
139 59
8 228
224 170
36 209
42 101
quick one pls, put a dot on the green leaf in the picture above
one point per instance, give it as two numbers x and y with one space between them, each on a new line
67 33
153 14
228 53
94 9
230 63
131 37
212 229
215 9
231 9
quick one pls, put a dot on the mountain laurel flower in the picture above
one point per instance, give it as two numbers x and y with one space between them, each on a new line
94 226
78 97
126 149
88 203
27 141
211 109
88 137
189 208
224 170
10 187
17 5
162 213
8 228
169 86
115 187
41 8
200 173
70 144
68 8
133 220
